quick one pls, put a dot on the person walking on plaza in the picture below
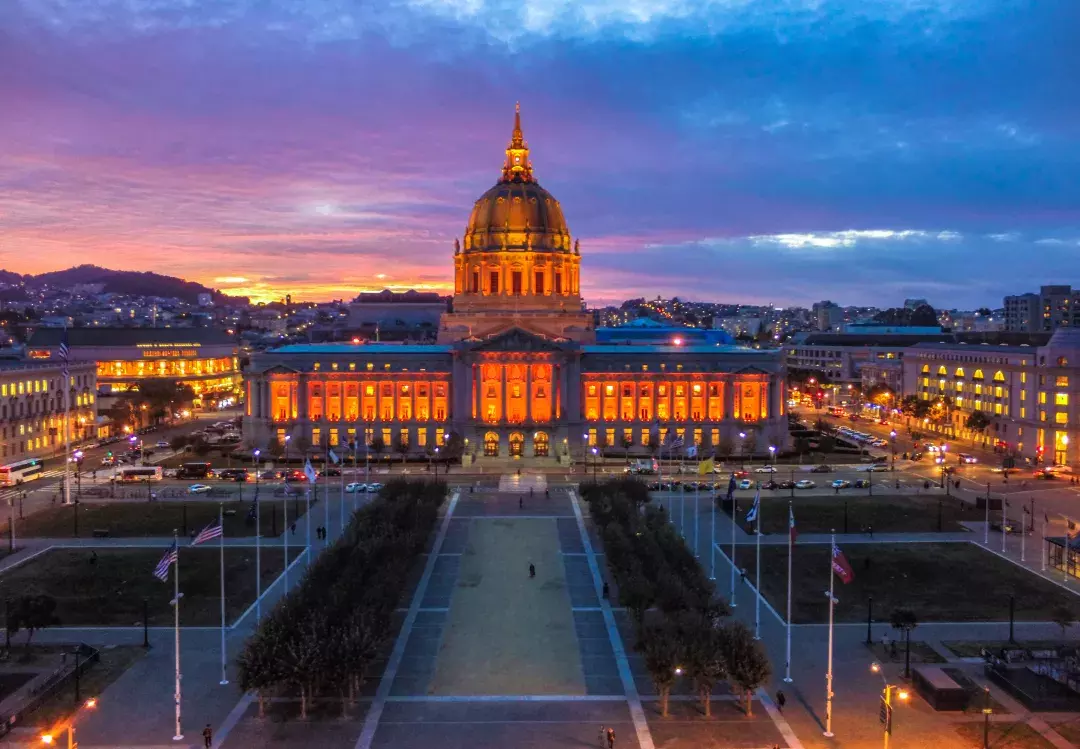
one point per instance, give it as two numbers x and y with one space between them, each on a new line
521 502
781 699
207 736
611 738
532 570
603 736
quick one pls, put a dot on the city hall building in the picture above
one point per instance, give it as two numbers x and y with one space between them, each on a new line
519 369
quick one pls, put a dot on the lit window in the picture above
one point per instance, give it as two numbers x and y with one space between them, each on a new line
1061 381
1061 417
1061 399
1042 397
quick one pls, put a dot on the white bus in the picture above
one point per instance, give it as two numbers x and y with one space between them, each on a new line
24 470
138 473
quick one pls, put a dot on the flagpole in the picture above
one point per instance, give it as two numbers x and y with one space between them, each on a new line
828 673
307 523
1004 522
733 566
697 519
986 529
178 736
712 540
221 549
790 550
258 553
355 444
757 572
66 371
285 533
1023 534
341 498
682 510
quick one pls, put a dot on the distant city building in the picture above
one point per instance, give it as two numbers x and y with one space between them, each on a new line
410 312
205 300
202 358
1030 394
827 315
32 408
839 358
1054 307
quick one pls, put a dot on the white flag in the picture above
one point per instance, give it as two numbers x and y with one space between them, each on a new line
309 471
751 515
333 457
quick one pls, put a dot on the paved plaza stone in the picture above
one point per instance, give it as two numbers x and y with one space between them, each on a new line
501 618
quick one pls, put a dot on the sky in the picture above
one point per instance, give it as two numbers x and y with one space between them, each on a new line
754 151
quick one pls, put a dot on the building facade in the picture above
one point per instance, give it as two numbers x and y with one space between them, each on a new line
1028 393
202 358
1055 306
519 370
32 408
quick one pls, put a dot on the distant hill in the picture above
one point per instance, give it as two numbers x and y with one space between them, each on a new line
126 282
7 276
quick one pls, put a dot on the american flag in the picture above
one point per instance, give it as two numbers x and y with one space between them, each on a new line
677 442
214 530
65 351
161 572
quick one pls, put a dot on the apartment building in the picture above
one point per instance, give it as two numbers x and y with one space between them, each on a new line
32 407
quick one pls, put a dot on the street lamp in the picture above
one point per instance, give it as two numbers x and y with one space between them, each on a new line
772 453
943 449
595 459
742 455
887 702
436 464
49 739
892 447
78 456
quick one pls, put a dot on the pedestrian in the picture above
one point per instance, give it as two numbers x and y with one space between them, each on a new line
293 528
611 738
885 642
532 570
781 698
870 530
603 736
207 736
530 492
93 558
742 573
547 493
521 502
606 591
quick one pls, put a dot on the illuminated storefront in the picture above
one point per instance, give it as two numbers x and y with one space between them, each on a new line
203 359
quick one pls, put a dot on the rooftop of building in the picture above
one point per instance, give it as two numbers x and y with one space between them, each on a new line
412 296
48 337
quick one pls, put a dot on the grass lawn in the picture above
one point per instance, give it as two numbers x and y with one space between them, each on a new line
153 518
885 514
1005 735
110 592
949 582
115 660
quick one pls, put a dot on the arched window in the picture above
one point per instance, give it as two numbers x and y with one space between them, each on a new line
941 370
999 376
978 374
959 372
926 369
1062 361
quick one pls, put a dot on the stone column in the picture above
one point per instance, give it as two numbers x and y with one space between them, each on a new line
528 393
502 405
729 385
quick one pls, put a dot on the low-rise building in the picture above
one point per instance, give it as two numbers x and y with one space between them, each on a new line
32 408
1029 394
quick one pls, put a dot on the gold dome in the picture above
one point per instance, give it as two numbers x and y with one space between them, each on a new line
517 213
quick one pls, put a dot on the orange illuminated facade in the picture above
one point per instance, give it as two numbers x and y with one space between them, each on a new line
517 371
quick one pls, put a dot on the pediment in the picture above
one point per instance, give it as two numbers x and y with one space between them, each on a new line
280 369
752 370
516 339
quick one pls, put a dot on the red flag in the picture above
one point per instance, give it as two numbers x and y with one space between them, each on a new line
841 566
791 525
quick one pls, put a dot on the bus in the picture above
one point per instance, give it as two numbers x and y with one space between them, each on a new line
194 471
14 474
139 473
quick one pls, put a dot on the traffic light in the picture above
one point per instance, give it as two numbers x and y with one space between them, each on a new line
108 454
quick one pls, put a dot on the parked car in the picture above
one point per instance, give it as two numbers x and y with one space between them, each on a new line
879 467
198 489
821 469
268 475
374 487
746 484
162 444
770 485
765 469
740 474
805 484
330 472
787 484
233 474
841 484
354 487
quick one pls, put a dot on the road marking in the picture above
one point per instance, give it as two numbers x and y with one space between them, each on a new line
778 718
232 719
371 721
637 712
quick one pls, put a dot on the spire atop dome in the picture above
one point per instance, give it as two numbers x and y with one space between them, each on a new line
517 168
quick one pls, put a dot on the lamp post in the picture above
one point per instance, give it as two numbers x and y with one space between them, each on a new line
885 715
258 536
892 447
436 464
78 456
942 456
595 460
742 455
772 453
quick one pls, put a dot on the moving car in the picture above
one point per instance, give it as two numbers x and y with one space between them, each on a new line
840 484
787 484
821 469
746 484
805 484
330 472
233 474
770 485
765 469
374 487
965 458
861 483
162 444
355 487
879 467
198 489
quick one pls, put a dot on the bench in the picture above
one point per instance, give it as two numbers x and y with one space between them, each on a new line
939 689
101 533
230 513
